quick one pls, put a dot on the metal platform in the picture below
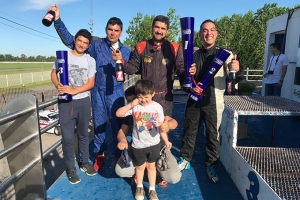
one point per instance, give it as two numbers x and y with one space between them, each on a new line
194 183
279 167
263 105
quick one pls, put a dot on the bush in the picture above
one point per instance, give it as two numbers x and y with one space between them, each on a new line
246 88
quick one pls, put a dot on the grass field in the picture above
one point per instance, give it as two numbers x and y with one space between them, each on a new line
17 68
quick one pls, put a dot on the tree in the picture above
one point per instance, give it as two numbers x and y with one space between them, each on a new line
140 28
246 34
2 57
23 57
8 57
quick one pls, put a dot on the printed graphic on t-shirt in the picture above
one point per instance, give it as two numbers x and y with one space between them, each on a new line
77 76
146 122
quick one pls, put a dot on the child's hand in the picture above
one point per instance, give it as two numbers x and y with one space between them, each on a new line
123 144
135 102
168 144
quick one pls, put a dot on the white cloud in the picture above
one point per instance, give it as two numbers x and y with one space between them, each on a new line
44 4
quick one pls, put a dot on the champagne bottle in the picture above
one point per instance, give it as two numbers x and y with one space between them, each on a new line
48 18
119 70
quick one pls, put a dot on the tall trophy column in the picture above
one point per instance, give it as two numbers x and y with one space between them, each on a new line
187 32
62 61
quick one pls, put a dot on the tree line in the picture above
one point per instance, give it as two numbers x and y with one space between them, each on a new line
24 58
244 34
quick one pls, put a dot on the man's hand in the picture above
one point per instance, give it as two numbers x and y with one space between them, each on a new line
164 126
197 89
279 84
116 54
193 69
265 75
56 10
123 144
235 64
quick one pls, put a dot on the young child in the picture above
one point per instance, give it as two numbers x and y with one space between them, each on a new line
145 148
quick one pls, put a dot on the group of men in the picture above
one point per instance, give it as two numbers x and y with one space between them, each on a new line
157 60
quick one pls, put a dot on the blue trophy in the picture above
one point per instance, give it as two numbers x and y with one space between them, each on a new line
62 61
187 31
213 69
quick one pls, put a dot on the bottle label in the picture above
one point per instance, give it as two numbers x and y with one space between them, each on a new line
229 87
49 17
119 76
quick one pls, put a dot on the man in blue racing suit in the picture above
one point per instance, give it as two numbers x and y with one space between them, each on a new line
107 94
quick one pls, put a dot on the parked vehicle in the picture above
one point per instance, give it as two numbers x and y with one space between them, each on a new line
47 117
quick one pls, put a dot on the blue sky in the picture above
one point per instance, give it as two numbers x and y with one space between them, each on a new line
16 39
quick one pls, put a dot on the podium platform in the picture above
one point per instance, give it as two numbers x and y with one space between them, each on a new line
265 164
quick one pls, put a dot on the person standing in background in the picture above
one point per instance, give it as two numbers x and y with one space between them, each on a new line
274 76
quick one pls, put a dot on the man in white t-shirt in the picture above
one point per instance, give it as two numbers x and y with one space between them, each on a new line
275 72
77 112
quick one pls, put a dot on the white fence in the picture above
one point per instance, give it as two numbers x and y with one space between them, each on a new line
23 79
35 77
248 73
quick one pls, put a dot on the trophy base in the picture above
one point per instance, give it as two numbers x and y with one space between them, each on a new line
188 83
65 97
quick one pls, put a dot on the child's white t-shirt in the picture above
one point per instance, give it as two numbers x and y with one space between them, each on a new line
145 132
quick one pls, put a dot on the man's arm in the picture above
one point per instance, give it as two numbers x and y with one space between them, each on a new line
122 137
61 29
179 66
284 70
133 64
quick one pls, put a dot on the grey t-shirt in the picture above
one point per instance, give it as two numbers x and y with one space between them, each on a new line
79 70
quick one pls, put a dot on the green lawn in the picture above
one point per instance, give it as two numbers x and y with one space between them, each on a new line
17 68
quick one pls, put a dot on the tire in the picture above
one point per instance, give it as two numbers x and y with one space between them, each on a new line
57 130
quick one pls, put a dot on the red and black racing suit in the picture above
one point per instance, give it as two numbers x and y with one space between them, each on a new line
158 66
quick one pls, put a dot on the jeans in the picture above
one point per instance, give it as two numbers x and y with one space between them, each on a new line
272 89
75 113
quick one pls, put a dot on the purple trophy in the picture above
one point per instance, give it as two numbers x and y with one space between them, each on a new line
187 31
214 67
62 62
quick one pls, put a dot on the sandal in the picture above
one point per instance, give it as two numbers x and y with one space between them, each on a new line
163 184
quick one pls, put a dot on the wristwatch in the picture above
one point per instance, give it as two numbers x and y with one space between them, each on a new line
281 80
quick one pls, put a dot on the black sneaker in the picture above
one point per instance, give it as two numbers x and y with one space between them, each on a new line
88 169
212 173
72 176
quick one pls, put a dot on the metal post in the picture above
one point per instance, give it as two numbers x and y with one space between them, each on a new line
247 73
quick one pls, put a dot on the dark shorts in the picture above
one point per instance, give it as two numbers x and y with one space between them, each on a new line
148 154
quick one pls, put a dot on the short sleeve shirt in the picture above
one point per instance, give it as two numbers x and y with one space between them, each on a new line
145 132
80 68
